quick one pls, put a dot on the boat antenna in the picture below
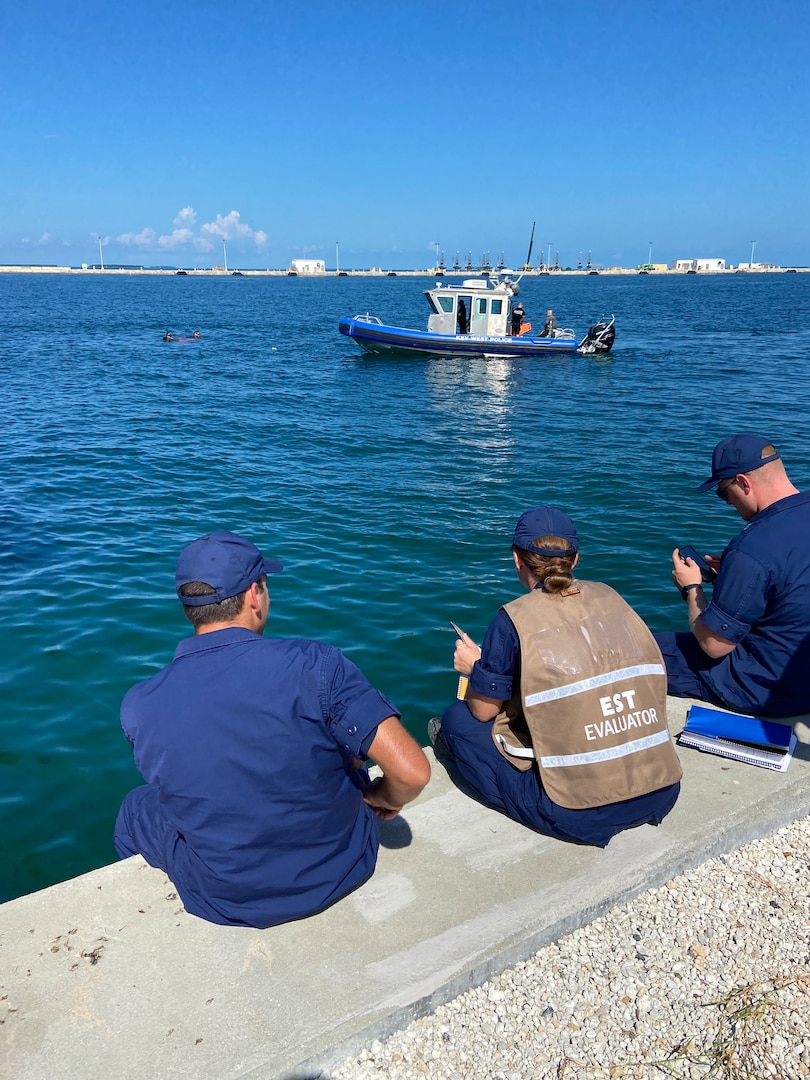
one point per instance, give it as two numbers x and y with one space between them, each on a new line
528 264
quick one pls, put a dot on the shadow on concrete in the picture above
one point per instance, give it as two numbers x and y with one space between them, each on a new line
395 833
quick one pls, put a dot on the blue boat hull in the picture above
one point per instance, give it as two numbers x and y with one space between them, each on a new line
382 340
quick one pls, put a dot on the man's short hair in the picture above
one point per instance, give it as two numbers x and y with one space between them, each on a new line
223 611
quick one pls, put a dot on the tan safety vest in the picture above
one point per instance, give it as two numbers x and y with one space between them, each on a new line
591 707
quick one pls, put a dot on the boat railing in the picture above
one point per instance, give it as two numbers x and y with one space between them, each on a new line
564 332
369 318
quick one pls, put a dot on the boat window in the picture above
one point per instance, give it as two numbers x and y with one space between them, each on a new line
482 305
446 303
497 307
433 303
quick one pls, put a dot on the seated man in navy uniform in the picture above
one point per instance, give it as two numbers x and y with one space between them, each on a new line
256 802
748 648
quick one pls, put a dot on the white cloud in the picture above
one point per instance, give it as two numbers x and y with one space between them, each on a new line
45 238
176 238
186 217
146 238
230 227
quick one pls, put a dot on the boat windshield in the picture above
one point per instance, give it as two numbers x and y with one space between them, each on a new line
440 304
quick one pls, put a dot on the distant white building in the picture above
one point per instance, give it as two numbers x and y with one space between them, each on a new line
705 266
308 266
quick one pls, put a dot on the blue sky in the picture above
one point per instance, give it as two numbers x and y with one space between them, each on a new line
388 126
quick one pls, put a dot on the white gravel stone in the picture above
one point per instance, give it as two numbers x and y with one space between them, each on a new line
631 988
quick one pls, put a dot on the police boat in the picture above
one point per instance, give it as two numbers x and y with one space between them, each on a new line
474 319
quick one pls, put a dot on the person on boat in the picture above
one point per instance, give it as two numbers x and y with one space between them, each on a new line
517 318
463 320
550 325
748 647
564 724
167 336
256 801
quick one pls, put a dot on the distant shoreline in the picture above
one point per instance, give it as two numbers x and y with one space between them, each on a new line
217 271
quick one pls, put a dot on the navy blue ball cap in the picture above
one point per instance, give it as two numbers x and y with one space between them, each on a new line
737 454
230 564
545 521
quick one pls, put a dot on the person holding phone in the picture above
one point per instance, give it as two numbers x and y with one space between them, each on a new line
707 572
748 647
564 724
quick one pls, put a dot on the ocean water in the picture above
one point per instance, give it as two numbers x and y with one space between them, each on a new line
389 488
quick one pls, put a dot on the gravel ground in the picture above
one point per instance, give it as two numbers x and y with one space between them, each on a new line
708 975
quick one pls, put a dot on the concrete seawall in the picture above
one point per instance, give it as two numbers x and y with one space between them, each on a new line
107 976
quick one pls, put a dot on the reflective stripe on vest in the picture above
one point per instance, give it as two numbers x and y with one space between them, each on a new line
596 680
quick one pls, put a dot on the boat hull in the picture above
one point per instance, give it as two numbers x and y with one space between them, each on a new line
381 340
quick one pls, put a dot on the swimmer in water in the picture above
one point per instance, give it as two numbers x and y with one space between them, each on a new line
196 333
167 336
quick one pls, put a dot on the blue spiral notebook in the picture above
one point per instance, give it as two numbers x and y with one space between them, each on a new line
743 738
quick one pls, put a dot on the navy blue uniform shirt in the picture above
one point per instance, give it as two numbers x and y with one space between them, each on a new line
252 806
761 602
494 674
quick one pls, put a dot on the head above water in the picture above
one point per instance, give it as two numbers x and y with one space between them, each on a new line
743 453
228 563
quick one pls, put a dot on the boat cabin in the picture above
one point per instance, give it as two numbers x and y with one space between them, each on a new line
486 311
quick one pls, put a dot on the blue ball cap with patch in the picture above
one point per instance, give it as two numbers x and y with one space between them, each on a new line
737 454
545 521
230 564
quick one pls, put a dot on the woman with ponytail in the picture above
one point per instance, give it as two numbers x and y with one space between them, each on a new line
564 724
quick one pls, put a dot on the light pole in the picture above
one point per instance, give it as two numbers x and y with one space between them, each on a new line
436 245
224 255
100 252
337 258
751 264
548 260
649 257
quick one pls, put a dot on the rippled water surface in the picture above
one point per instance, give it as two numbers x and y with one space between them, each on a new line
388 487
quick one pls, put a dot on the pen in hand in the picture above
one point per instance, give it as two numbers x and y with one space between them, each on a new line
464 670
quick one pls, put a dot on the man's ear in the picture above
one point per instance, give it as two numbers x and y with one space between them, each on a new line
744 480
254 597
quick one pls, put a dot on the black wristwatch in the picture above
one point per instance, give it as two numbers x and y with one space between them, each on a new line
686 589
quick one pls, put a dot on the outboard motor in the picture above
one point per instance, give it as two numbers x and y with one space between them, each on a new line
600 337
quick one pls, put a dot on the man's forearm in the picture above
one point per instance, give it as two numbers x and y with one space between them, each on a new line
405 768
395 792
695 603
712 644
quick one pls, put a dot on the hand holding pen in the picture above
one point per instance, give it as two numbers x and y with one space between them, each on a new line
467 652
